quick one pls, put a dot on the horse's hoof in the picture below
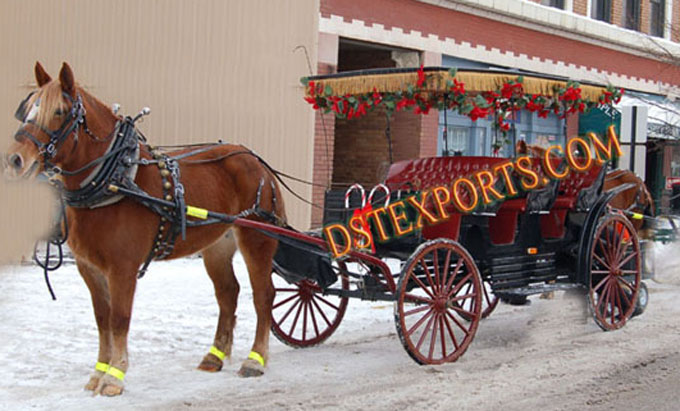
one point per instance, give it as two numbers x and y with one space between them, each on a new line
109 386
93 383
210 363
251 368
111 390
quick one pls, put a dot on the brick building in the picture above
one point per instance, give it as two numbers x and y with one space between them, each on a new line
623 42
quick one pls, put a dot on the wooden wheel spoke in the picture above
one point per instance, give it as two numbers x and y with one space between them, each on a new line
435 265
323 315
623 294
416 310
465 330
448 327
433 340
463 312
612 303
418 323
601 283
460 285
427 275
280 303
622 246
625 260
462 297
486 295
442 335
295 319
603 296
313 317
605 253
600 272
422 286
601 261
629 286
617 240
328 303
425 332
449 283
410 298
292 307
447 263
304 320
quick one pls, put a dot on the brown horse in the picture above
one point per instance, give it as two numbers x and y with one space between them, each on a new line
637 199
112 241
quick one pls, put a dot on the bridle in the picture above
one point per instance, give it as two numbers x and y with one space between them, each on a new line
49 150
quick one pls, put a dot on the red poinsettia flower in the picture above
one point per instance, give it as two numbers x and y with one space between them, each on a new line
509 90
571 94
458 87
425 110
312 88
478 112
312 100
421 76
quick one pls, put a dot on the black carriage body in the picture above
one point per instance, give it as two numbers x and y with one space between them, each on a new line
519 244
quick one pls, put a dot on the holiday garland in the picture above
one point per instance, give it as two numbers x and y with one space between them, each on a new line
447 92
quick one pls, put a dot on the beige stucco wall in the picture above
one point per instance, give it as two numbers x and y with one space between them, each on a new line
209 69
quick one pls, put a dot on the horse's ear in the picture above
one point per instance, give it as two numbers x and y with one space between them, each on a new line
41 76
66 79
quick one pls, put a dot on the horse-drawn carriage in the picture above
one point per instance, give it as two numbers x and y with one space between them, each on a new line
559 235
548 227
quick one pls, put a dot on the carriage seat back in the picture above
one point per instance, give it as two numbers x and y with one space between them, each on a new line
577 192
427 173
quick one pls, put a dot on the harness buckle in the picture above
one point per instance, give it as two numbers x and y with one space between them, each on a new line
179 189
51 149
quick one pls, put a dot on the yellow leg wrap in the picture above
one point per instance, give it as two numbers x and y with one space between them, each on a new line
115 372
217 353
257 357
101 366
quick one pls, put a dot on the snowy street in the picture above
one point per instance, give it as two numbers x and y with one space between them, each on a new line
526 357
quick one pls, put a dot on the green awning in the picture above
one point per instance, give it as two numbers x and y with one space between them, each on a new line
598 121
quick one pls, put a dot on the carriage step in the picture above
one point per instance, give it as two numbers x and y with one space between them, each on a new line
536 289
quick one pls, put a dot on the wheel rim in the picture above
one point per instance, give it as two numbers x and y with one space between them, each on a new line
302 316
614 272
435 321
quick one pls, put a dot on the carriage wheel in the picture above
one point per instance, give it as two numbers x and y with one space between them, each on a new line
615 268
435 321
302 316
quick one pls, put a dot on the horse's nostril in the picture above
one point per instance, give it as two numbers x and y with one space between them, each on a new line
16 161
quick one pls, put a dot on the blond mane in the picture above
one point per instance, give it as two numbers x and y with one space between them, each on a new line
51 100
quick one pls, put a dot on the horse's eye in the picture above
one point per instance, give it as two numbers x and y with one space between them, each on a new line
59 113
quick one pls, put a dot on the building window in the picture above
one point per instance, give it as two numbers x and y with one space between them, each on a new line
559 4
631 15
602 10
657 17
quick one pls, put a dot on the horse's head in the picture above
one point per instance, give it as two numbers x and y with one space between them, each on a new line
50 119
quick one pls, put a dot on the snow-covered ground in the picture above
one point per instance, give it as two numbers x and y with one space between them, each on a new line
542 355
